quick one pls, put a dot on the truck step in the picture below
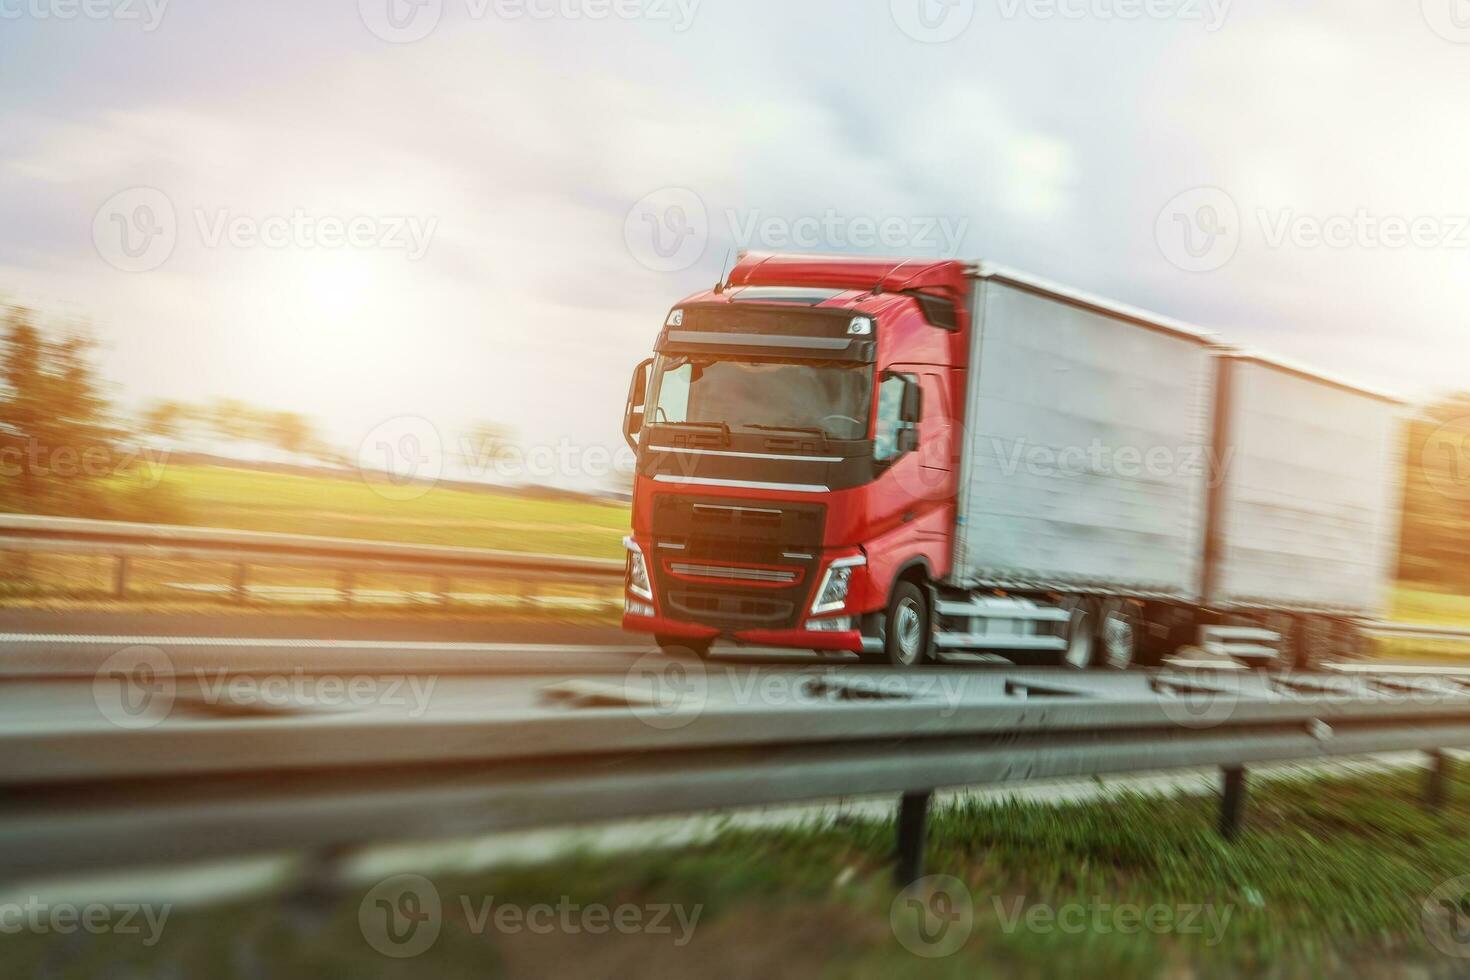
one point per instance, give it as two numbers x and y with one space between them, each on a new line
998 641
1240 642
995 608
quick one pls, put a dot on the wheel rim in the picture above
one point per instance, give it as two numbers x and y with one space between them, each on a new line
1079 642
1118 642
907 625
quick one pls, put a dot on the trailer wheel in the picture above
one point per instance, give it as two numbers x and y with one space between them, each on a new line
1080 652
1313 638
1117 639
682 647
906 627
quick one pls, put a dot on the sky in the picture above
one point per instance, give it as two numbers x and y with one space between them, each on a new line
410 215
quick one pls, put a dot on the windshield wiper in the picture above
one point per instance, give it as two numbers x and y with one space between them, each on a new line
814 430
723 427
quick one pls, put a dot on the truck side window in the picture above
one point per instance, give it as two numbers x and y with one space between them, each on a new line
890 418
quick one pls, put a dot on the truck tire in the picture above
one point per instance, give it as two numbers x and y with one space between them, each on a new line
906 627
1081 650
1116 646
683 648
1312 643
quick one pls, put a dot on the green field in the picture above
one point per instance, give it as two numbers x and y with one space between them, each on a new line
328 506
348 507
1329 877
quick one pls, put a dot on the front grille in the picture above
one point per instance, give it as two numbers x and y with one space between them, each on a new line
722 609
744 545
736 574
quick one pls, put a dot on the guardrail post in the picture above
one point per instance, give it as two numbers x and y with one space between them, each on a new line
237 584
1436 782
120 576
1232 802
913 815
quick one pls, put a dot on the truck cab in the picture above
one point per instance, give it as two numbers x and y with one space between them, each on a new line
796 473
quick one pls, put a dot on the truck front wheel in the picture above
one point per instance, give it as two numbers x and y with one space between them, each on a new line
906 627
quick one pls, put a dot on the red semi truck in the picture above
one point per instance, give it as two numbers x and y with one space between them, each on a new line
927 460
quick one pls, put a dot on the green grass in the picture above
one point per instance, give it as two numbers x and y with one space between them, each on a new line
348 507
1418 604
1328 877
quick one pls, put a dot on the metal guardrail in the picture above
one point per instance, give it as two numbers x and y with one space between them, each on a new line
124 542
203 781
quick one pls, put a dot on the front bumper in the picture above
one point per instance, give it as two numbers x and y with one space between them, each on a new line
644 613
851 641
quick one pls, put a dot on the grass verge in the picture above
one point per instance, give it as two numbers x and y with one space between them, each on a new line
1328 878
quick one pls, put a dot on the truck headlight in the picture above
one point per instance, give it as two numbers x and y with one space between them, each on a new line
832 593
638 581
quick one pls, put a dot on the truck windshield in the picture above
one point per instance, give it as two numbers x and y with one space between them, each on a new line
831 396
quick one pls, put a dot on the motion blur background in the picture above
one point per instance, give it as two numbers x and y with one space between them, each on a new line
256 256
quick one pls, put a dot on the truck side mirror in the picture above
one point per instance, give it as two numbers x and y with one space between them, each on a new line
908 438
913 402
633 413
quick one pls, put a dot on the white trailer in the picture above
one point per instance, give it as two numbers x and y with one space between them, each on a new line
1129 485
1087 434
1306 515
